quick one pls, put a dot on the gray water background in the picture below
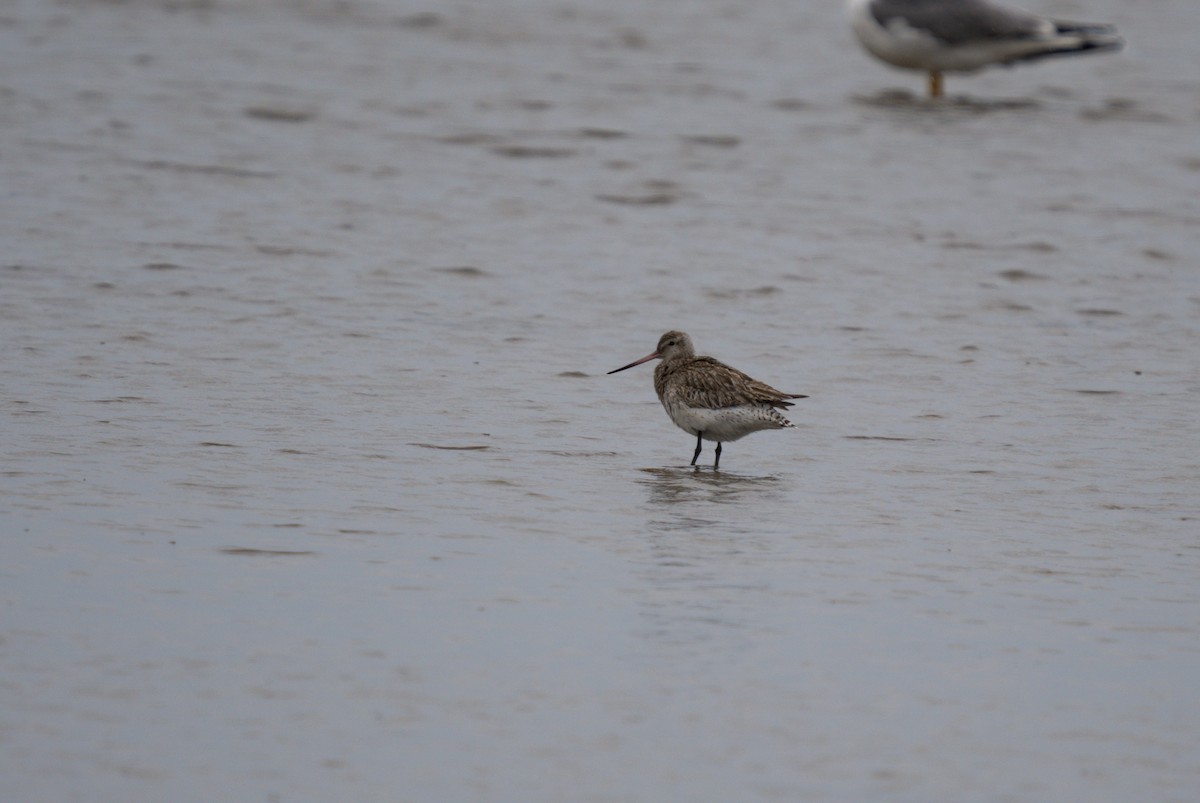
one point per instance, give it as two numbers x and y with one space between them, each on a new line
314 488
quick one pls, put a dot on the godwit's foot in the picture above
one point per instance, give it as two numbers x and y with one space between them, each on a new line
696 456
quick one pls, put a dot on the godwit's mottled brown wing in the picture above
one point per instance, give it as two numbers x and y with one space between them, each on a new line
710 384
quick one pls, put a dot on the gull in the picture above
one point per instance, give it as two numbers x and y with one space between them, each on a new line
937 36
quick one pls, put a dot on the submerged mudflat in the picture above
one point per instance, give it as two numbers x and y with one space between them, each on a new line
314 486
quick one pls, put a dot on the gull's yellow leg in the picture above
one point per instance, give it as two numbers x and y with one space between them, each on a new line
935 84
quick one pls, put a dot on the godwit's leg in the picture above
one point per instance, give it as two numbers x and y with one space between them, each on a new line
717 462
697 454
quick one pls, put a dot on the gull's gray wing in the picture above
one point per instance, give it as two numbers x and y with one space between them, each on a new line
958 22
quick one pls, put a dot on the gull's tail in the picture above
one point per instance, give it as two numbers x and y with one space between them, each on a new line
1075 37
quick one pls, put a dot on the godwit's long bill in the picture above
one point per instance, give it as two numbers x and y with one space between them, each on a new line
937 36
709 399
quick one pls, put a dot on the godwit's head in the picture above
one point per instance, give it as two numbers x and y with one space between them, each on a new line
675 346
671 346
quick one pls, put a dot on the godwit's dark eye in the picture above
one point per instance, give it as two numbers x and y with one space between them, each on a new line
670 342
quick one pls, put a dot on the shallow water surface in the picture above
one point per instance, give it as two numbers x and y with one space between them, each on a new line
314 486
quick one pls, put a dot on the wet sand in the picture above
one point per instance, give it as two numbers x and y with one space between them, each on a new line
314 486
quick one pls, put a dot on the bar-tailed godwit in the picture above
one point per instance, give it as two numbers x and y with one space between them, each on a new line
709 399
937 36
